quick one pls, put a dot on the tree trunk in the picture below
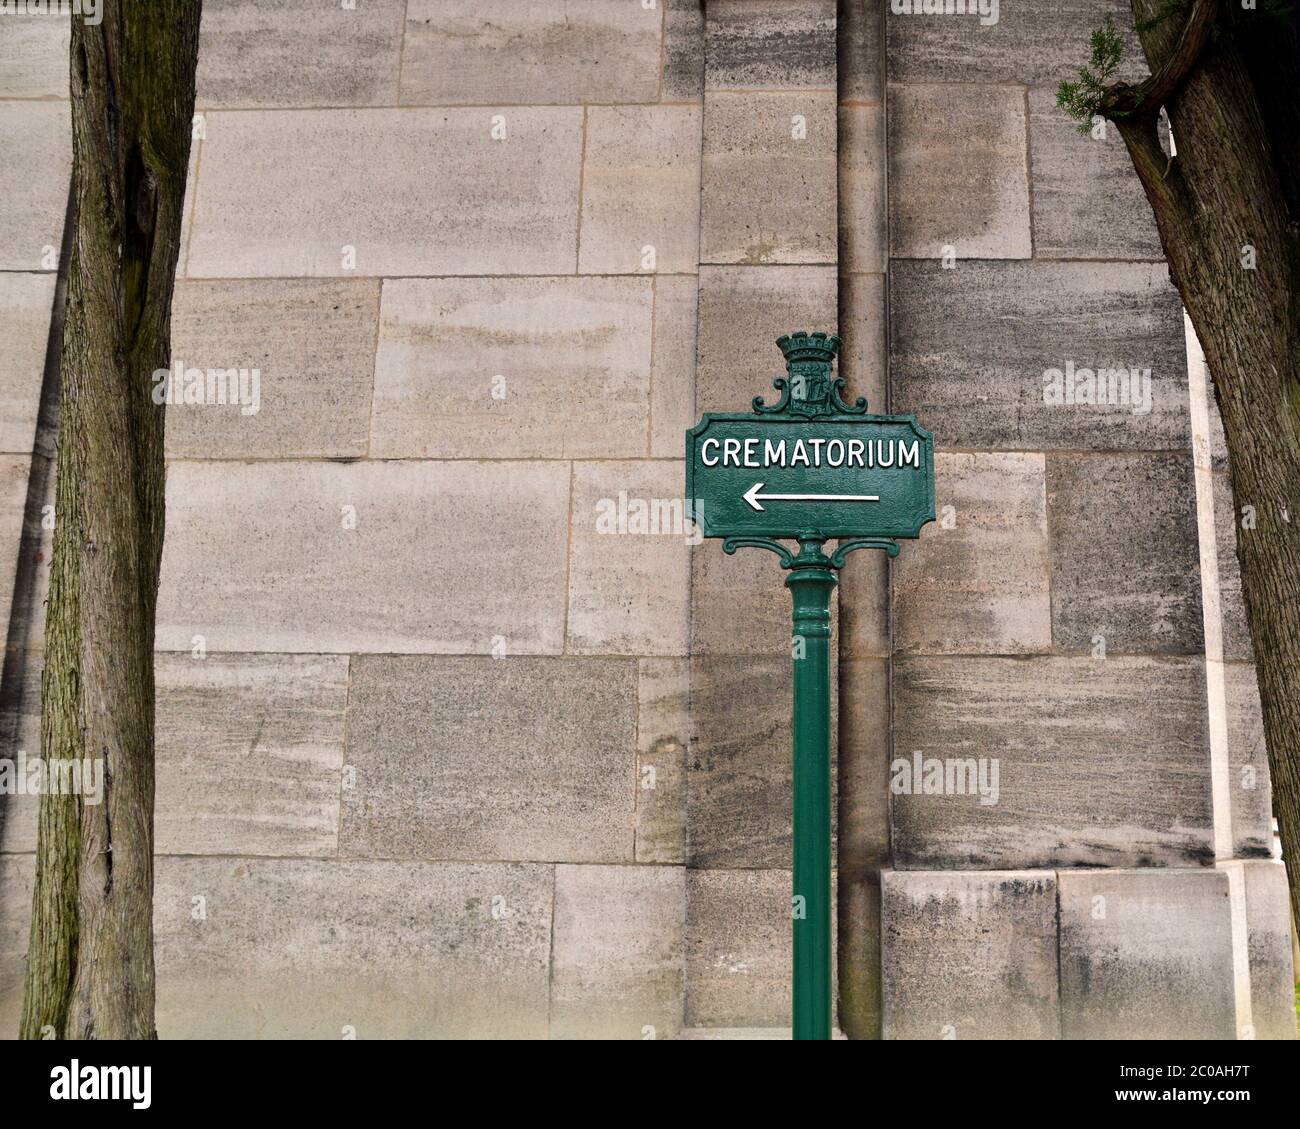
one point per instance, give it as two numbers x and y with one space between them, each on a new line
90 967
1228 200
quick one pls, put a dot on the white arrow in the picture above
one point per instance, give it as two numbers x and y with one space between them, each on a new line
752 496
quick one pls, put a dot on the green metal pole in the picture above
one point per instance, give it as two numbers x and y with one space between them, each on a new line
811 581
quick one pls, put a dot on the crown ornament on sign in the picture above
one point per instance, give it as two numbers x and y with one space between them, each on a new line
808 389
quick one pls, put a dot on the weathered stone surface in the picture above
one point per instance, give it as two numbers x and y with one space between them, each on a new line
34 56
617 967
641 189
17 875
1100 763
313 344
482 758
863 358
513 368
738 764
1268 932
1252 811
769 182
969 956
250 750
663 733
863 599
1124 553
1145 954
1033 41
501 51
981 586
766 44
328 557
511 208
628 559
862 778
738 606
683 66
970 347
20 733
860 64
298 948
26 302
1088 201
743 310
672 373
1229 524
858 953
862 189
36 138
299 53
957 172
738 943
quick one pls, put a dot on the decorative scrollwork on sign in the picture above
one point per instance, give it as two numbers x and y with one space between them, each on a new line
857 408
783 386
853 544
731 544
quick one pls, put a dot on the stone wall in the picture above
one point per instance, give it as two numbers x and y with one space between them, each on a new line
449 742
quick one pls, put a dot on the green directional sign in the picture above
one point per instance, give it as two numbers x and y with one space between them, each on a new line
810 468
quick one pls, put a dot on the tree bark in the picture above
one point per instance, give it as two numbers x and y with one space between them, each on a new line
1235 117
90 967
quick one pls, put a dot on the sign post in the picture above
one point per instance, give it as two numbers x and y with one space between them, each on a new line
810 468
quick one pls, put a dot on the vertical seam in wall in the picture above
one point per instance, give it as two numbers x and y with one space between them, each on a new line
582 184
663 49
1029 171
1215 682
401 50
374 367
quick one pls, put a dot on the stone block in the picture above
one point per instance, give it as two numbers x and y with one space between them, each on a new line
629 582
743 310
1146 954
1099 763
306 948
546 51
862 776
26 304
34 56
672 372
482 758
510 208
768 186
860 65
250 754
376 556
1125 555
1088 201
1031 41
982 585
641 189
969 956
738 775
958 176
513 368
738 948
17 880
617 964
36 138
299 53
1268 932
663 734
981 354
766 44
313 345
683 66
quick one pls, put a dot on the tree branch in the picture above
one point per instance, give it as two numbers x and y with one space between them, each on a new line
1145 99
